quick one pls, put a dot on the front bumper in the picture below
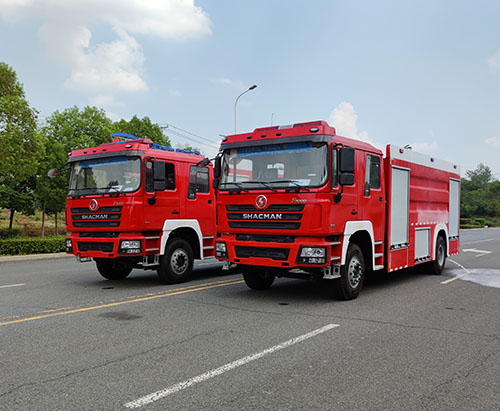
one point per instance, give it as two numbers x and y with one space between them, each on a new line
273 254
121 245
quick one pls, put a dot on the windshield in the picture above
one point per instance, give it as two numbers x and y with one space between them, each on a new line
105 175
298 165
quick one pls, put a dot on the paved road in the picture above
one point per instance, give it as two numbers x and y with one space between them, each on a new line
72 341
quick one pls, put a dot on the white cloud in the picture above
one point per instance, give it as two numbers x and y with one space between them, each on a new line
174 93
344 119
493 141
425 148
494 61
103 101
112 66
229 83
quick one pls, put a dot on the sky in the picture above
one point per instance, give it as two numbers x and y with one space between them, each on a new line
424 73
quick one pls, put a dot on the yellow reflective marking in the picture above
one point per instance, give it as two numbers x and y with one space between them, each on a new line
148 297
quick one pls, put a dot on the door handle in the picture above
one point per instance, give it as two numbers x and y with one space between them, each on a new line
175 212
381 199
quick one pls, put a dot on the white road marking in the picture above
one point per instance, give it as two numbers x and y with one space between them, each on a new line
449 280
481 241
218 371
479 252
11 285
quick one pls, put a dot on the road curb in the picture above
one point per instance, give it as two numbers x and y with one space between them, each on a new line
19 258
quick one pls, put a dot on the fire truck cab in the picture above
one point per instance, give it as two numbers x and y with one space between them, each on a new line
300 201
135 204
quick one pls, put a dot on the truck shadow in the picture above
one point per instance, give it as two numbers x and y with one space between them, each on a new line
286 289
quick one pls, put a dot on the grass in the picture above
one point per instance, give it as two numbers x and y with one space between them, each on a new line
31 225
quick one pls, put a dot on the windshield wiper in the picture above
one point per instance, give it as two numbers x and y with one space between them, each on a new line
260 182
237 185
80 191
291 181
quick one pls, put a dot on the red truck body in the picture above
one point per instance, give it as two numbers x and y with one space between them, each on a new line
301 201
135 204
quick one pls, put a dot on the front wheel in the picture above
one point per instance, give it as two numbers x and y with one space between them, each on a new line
113 270
176 265
352 274
257 279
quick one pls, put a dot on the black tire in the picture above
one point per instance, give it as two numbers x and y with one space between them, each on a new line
352 274
113 270
176 265
257 279
436 267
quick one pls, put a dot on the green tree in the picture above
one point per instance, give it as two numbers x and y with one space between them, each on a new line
187 147
142 128
20 146
479 177
62 133
75 128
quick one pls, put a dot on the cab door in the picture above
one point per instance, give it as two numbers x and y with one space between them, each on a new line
372 205
200 201
161 194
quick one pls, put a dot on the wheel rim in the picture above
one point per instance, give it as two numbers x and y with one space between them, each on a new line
179 261
355 271
440 255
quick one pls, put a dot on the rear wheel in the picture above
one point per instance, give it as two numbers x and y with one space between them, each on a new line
113 270
176 265
257 279
437 266
352 274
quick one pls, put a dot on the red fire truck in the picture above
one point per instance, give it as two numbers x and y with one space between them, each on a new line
135 204
300 201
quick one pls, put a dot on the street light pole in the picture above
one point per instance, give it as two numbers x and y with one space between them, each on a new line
236 102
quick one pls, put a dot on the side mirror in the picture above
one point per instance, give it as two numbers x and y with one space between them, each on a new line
53 173
217 167
346 179
203 163
346 160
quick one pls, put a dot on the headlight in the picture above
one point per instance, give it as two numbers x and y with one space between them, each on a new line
130 244
313 252
220 250
69 245
130 247
220 247
312 255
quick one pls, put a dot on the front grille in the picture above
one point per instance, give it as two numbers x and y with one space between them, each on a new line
82 210
274 217
265 238
96 223
98 235
264 225
88 246
271 208
272 253
102 217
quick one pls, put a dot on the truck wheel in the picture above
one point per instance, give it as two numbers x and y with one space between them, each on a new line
257 279
113 270
352 274
437 266
176 264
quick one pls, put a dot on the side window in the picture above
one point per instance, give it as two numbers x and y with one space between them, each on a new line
198 181
372 173
170 176
335 174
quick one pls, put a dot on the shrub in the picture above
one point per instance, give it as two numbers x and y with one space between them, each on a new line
22 246
6 233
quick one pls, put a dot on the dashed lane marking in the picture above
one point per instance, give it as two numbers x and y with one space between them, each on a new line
221 370
12 285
